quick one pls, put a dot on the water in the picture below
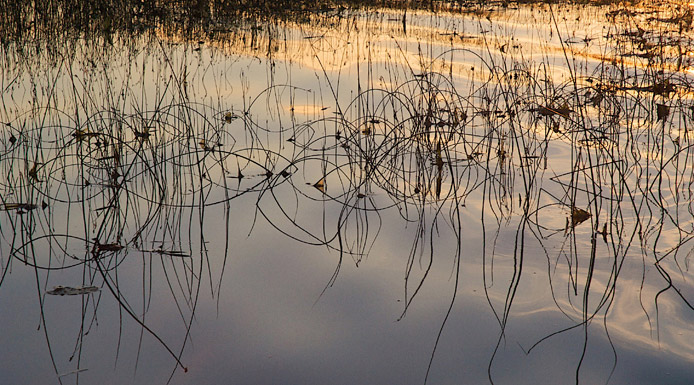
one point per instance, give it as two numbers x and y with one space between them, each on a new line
349 196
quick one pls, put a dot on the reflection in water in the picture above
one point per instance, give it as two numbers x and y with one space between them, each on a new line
138 154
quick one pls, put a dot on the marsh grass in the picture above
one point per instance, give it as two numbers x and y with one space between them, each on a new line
100 181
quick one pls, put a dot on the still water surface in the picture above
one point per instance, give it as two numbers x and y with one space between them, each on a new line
500 195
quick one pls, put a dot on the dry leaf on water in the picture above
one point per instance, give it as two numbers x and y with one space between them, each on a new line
67 290
320 185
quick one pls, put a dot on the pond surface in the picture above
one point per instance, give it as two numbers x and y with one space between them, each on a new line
483 194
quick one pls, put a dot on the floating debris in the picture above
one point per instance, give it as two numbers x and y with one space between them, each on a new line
67 290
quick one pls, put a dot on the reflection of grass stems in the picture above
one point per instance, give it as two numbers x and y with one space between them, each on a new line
123 306
420 147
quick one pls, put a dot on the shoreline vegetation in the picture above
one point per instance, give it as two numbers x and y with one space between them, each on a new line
51 30
19 19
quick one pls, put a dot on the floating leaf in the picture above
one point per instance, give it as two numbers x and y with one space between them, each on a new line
663 88
109 247
33 173
174 253
67 290
82 134
603 232
543 111
170 253
578 216
228 117
144 134
18 206
563 111
439 158
597 99
662 110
